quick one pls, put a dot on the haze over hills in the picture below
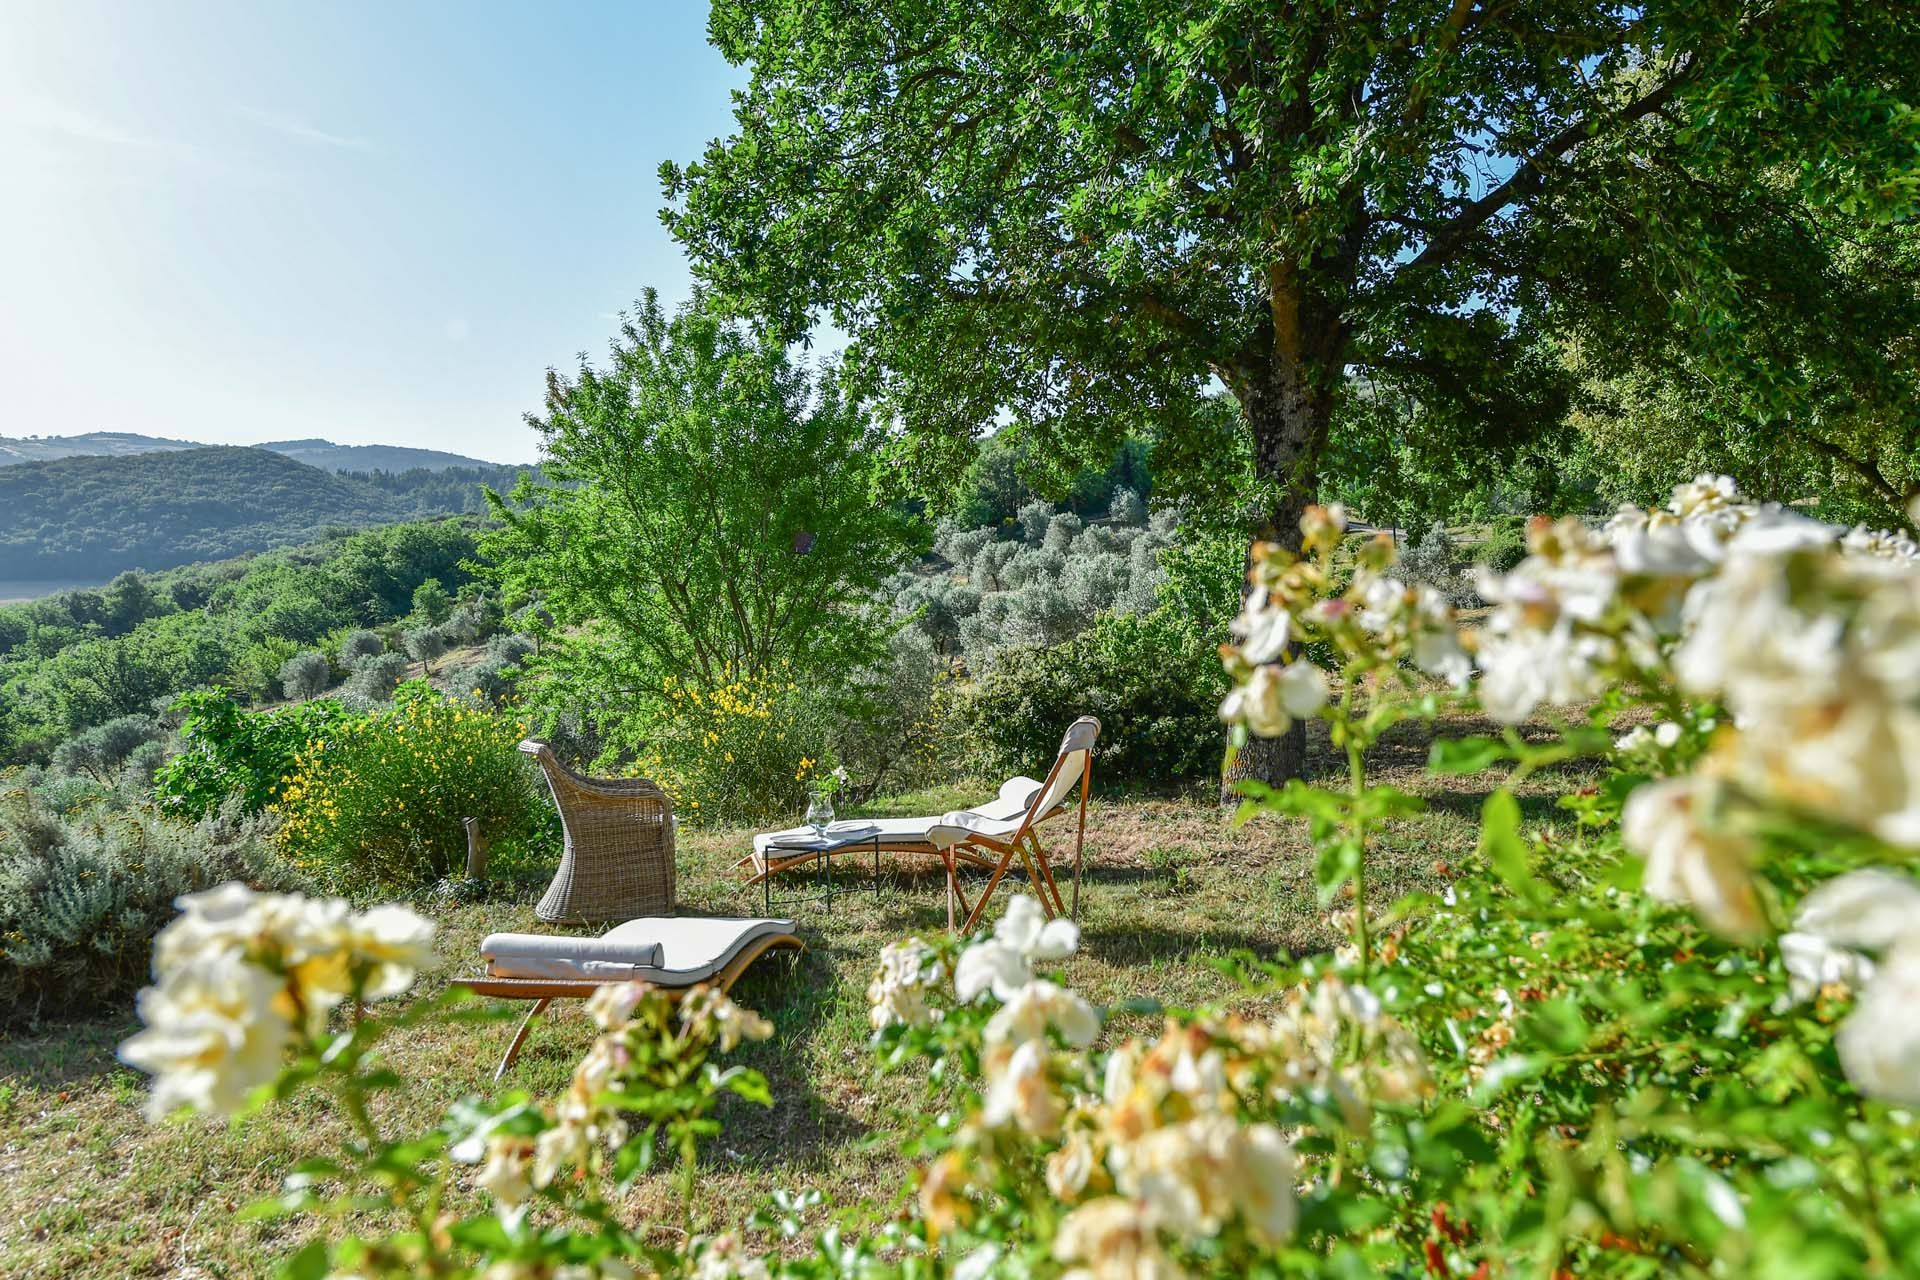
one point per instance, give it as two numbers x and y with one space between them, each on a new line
315 453
93 444
89 517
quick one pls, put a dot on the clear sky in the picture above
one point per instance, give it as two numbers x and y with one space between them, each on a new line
372 222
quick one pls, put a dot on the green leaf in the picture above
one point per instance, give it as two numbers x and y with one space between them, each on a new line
1337 863
310 1263
1504 849
1466 755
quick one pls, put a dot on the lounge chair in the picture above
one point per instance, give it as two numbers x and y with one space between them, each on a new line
991 835
674 953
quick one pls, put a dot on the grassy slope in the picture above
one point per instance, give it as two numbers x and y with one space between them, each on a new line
87 1189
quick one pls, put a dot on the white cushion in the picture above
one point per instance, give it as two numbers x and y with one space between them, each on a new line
670 951
938 833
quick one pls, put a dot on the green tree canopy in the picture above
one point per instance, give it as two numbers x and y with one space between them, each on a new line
1084 215
709 511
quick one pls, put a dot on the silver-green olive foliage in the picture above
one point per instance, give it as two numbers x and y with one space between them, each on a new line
1081 215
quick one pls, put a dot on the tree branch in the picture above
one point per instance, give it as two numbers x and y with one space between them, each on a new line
1529 176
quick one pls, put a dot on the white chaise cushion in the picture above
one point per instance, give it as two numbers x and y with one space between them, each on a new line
939 832
670 951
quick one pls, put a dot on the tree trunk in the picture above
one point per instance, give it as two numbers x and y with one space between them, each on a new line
1287 416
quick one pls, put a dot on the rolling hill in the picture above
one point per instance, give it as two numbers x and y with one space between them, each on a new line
323 454
328 456
94 444
83 518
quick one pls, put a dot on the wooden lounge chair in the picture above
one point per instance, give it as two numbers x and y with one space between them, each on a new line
989 836
618 860
673 953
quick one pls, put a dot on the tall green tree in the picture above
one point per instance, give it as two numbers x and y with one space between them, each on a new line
709 510
1085 214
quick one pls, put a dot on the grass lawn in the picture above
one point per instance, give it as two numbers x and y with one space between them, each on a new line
87 1188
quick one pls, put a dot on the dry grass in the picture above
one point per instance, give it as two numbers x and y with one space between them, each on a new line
88 1189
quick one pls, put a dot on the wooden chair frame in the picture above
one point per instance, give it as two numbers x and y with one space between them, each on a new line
544 991
1026 846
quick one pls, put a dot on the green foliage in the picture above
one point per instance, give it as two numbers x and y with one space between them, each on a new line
382 798
431 603
90 517
232 756
712 513
103 751
1082 218
86 881
425 645
359 645
375 679
305 675
1149 678
741 750
82 658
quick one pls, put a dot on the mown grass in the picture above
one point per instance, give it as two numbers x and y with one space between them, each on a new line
1171 889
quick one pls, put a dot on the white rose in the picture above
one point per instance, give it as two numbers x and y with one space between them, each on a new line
217 1029
1689 862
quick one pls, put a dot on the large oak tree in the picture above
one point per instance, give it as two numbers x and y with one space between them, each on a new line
1085 214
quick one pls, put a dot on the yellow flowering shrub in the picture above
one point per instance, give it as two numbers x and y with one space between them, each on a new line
740 750
381 799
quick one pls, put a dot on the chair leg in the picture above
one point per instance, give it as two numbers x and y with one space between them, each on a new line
1044 883
520 1036
986 894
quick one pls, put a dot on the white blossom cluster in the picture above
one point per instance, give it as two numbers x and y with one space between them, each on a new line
583 1122
1154 1148
239 975
1374 619
1808 636
909 972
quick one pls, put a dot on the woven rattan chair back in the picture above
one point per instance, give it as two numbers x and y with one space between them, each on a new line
618 863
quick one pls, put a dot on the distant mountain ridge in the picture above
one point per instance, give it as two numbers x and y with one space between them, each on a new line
323 454
82 517
93 444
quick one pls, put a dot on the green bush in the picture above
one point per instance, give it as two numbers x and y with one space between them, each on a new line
382 799
87 879
1151 679
230 754
740 751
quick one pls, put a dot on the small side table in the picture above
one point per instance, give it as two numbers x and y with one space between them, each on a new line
790 852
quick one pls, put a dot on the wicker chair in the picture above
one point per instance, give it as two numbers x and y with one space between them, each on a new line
618 863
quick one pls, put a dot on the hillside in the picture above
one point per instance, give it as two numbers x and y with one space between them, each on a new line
323 454
329 456
94 444
94 516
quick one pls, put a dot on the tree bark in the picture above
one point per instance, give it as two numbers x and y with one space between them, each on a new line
1288 413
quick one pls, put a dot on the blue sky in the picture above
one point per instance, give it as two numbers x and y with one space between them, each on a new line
378 223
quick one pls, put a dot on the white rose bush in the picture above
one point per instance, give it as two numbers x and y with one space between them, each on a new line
1665 1021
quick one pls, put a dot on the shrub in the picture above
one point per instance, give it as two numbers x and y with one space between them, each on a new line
1062 530
305 675
359 646
229 755
1034 518
426 645
885 733
431 603
101 751
1505 546
741 751
1127 508
1436 560
1150 680
376 678
382 798
84 887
